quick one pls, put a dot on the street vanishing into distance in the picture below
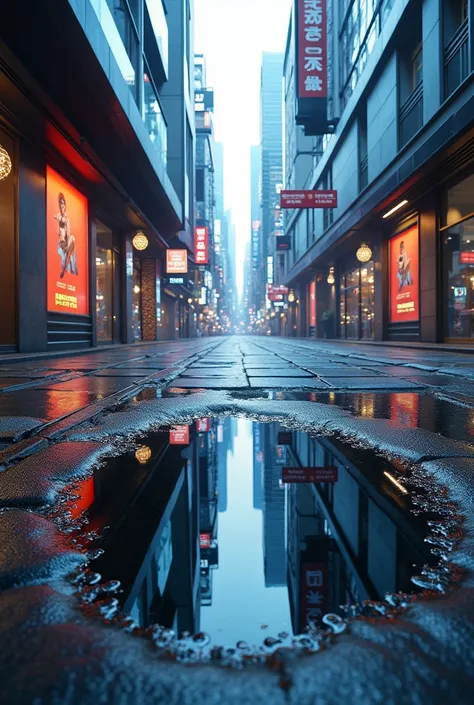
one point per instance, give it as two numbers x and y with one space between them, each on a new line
237 352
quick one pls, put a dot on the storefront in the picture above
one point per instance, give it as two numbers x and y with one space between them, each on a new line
107 285
457 242
356 303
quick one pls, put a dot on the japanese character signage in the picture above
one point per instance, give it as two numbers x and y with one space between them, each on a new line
313 591
404 276
179 436
327 473
203 425
308 199
205 540
176 261
201 245
312 49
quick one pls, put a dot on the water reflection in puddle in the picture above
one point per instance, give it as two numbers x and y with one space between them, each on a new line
204 536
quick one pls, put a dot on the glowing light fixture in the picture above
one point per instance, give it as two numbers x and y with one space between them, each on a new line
143 454
364 253
140 241
291 296
136 289
395 209
331 279
5 163
190 301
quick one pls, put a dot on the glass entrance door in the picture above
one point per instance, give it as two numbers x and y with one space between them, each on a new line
107 286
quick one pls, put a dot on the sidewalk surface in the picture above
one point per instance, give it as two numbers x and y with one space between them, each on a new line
60 416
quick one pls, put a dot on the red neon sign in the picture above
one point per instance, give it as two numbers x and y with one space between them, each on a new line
179 436
312 49
201 245
309 199
297 475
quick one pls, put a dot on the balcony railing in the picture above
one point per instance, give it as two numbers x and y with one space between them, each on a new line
456 59
364 173
411 115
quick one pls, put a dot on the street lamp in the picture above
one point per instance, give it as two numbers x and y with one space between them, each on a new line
291 296
364 253
331 278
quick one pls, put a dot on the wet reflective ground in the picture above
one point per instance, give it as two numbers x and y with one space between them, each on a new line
204 535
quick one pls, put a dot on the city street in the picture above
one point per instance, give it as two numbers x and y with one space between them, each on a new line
95 449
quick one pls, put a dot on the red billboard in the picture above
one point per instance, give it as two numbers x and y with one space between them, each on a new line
67 246
179 436
313 592
176 261
203 425
308 199
277 289
201 245
312 49
404 276
205 540
466 258
325 473
312 304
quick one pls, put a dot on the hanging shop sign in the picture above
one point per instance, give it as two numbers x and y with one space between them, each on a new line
311 46
326 473
404 276
176 281
283 243
176 261
67 233
179 436
204 100
313 593
308 199
201 245
277 289
312 49
205 540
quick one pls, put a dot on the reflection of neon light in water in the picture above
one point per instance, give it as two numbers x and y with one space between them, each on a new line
395 482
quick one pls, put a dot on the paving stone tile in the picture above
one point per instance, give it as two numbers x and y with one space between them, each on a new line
285 382
368 383
275 373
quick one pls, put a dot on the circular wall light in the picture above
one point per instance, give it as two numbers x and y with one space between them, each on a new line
140 241
364 253
5 163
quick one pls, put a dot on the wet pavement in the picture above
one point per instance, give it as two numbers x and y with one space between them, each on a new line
169 490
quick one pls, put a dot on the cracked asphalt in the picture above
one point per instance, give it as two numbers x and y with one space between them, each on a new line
60 416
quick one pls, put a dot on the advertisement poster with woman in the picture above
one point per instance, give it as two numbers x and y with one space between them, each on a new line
404 276
67 246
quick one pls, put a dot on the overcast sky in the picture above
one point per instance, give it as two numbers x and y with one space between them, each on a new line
232 35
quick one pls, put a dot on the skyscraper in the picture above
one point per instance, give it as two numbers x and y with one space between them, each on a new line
271 175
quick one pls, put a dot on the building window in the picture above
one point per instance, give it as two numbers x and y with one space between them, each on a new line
455 44
356 304
363 157
458 265
127 27
411 86
153 116
361 22
328 213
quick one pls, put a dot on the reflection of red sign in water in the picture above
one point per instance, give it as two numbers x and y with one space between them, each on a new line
308 199
67 246
203 425
466 258
327 473
205 540
404 276
404 409
179 436
311 42
86 496
201 245
313 592
312 304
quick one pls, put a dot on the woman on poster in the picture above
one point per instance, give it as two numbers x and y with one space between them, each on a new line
66 241
404 268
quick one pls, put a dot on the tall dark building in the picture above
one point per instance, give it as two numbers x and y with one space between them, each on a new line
96 170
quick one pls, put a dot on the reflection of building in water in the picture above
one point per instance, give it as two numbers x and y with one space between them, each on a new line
226 432
348 541
257 466
149 532
274 549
